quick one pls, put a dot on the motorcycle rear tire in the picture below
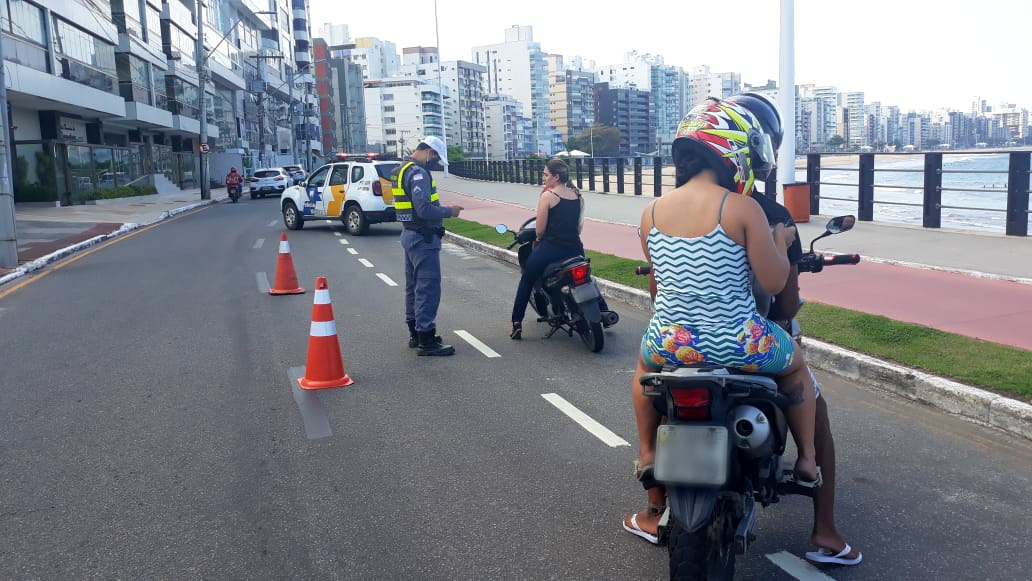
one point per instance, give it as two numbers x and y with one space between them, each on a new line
592 336
691 557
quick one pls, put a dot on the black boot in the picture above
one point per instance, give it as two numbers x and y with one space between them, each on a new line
430 344
413 339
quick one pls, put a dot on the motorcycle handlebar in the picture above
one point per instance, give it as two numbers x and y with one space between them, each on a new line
841 259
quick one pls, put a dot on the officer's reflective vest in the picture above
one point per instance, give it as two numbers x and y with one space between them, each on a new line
402 201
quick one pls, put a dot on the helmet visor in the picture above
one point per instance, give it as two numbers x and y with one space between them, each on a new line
766 151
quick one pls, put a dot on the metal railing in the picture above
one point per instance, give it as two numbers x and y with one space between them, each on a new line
648 175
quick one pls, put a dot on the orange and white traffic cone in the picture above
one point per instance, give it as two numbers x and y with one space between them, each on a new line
286 277
324 367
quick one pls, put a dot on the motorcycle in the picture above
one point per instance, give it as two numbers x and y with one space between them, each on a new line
234 191
565 297
719 453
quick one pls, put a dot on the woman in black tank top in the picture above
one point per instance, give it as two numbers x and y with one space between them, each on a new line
560 209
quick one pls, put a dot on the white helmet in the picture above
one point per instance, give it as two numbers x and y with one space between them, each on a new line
437 144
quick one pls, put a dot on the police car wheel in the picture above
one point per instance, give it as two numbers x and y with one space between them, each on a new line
291 217
355 221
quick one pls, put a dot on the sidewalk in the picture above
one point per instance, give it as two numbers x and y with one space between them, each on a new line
973 284
44 228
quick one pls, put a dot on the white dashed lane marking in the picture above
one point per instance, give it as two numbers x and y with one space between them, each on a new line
797 567
258 243
366 263
352 251
336 233
273 223
596 429
263 282
477 344
386 279
343 241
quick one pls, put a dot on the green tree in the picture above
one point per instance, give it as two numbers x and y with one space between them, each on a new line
607 140
455 153
835 141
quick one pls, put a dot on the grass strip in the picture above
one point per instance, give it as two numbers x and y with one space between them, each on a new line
1000 368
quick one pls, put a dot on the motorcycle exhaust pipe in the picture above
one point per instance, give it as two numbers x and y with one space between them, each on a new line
751 429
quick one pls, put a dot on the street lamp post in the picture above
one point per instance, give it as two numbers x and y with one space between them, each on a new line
202 82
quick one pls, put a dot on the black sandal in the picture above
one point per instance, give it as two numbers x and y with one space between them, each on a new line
517 332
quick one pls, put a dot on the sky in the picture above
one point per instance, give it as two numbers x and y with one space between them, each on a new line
917 54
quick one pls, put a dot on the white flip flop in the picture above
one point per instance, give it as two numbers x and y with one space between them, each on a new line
826 557
634 529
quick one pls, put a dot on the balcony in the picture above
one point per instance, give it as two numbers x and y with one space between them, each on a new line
302 57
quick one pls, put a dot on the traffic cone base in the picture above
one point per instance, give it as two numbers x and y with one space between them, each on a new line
286 278
324 368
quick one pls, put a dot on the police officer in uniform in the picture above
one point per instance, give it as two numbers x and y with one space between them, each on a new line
421 213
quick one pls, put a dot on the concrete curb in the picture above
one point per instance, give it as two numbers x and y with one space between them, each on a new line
980 406
30 267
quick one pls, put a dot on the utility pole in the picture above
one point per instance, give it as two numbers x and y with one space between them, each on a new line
202 59
8 231
440 89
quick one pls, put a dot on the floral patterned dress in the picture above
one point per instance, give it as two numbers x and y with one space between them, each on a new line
705 311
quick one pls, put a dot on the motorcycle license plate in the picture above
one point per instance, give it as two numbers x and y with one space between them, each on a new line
691 454
584 293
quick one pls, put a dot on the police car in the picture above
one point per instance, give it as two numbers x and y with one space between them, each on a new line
355 189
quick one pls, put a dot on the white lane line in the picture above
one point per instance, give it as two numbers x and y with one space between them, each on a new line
797 567
598 430
366 262
336 233
386 279
258 243
263 282
352 251
477 344
343 241
273 223
328 221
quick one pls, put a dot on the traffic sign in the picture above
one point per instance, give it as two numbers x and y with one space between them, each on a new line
205 148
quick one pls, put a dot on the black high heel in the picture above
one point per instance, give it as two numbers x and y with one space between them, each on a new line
517 332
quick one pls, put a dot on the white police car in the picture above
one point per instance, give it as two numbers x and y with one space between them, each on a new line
356 189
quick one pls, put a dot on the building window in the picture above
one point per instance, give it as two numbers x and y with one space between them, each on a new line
126 16
23 35
85 58
182 98
179 45
388 109
134 78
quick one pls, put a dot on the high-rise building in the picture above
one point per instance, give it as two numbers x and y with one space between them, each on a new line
106 93
341 94
464 111
518 68
506 128
378 58
853 102
626 109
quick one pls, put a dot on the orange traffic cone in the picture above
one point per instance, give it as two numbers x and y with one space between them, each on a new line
324 367
286 278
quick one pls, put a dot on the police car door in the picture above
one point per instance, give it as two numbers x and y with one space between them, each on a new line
314 192
336 191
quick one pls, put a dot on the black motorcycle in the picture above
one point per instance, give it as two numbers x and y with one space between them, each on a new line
234 191
719 453
565 297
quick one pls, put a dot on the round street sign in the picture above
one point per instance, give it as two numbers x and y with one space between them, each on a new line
205 148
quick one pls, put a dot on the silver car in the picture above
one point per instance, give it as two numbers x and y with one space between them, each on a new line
269 181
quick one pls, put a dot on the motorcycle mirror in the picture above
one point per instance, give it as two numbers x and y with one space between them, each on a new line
501 229
840 224
836 225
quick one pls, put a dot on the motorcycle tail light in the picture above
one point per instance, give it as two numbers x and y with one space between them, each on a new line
580 274
692 403
377 188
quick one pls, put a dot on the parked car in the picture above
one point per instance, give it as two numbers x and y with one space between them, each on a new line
296 172
356 190
267 181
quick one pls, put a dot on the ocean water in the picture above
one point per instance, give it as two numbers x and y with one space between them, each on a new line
959 208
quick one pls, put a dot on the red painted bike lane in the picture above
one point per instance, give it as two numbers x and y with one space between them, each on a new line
993 310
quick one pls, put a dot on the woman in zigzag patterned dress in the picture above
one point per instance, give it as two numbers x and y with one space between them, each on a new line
703 242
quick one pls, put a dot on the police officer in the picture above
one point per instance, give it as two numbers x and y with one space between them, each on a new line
421 213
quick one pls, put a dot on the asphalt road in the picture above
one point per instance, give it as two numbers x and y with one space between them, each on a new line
150 428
